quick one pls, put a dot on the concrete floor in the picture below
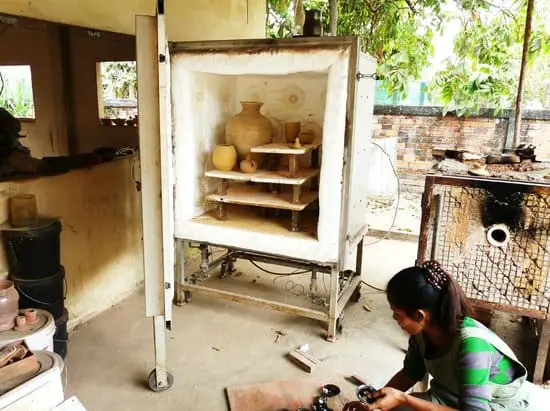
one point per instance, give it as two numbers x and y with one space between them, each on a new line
215 344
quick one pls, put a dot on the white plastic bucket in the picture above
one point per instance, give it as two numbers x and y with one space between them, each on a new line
42 391
37 338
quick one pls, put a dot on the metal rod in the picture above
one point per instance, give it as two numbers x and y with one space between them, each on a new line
285 262
221 211
438 206
159 334
313 288
286 308
346 295
333 305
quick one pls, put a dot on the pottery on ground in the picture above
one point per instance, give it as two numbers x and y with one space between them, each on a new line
248 129
9 305
248 165
224 157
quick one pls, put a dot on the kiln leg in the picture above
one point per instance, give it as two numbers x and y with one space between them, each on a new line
160 379
333 305
179 278
313 284
542 353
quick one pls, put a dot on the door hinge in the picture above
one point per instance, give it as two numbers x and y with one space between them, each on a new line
361 76
162 58
167 285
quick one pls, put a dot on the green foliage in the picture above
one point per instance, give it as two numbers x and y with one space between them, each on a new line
119 79
483 72
17 98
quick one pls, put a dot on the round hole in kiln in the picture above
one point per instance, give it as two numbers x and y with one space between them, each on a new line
498 235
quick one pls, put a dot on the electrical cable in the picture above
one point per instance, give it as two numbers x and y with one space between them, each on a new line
388 232
373 287
276 273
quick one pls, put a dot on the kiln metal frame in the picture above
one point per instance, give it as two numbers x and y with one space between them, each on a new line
431 209
338 298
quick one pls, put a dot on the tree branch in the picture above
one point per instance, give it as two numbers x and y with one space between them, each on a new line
411 6
526 38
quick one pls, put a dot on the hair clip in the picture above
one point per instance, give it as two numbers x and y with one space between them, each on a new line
435 275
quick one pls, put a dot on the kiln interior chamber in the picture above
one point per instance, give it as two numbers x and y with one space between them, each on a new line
307 87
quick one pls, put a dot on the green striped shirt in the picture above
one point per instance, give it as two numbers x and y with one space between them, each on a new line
478 363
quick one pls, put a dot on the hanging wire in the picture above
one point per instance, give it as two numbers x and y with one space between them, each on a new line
388 232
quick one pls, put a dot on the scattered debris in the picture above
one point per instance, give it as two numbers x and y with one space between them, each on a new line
356 380
526 152
216 348
305 361
367 307
278 336
480 171
452 166
253 281
304 348
506 158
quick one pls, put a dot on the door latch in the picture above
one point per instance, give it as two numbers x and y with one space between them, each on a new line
361 76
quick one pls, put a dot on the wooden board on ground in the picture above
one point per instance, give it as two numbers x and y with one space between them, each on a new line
278 395
305 361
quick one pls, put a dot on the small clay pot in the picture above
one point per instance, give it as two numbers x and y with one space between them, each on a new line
224 157
306 137
292 129
248 165
9 302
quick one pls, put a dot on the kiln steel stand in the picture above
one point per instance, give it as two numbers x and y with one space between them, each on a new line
345 286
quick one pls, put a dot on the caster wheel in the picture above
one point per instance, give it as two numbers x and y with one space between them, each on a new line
356 296
152 381
224 270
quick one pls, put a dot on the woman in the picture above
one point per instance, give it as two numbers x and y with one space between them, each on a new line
471 367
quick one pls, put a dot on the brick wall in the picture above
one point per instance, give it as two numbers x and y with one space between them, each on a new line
419 129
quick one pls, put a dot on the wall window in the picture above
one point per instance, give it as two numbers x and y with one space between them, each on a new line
16 94
117 93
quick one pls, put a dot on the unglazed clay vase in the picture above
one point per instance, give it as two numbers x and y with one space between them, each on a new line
224 157
9 305
248 165
248 129
291 129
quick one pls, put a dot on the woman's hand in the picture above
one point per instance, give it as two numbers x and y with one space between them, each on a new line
387 399
355 406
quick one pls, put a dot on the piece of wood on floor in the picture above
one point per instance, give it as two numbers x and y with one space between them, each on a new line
278 395
305 361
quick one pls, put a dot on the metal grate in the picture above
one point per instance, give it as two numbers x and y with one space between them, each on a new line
515 271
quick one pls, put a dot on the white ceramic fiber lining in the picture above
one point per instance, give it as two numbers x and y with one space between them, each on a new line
205 92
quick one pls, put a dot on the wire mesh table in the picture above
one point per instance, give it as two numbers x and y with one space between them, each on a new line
493 236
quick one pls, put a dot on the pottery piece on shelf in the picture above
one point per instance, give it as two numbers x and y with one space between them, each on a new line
23 210
9 305
297 143
250 128
291 129
306 137
248 165
224 157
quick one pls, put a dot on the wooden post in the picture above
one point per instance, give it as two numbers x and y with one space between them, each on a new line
292 165
296 193
519 97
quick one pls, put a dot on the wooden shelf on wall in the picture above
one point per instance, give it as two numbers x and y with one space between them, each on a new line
267 176
249 195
